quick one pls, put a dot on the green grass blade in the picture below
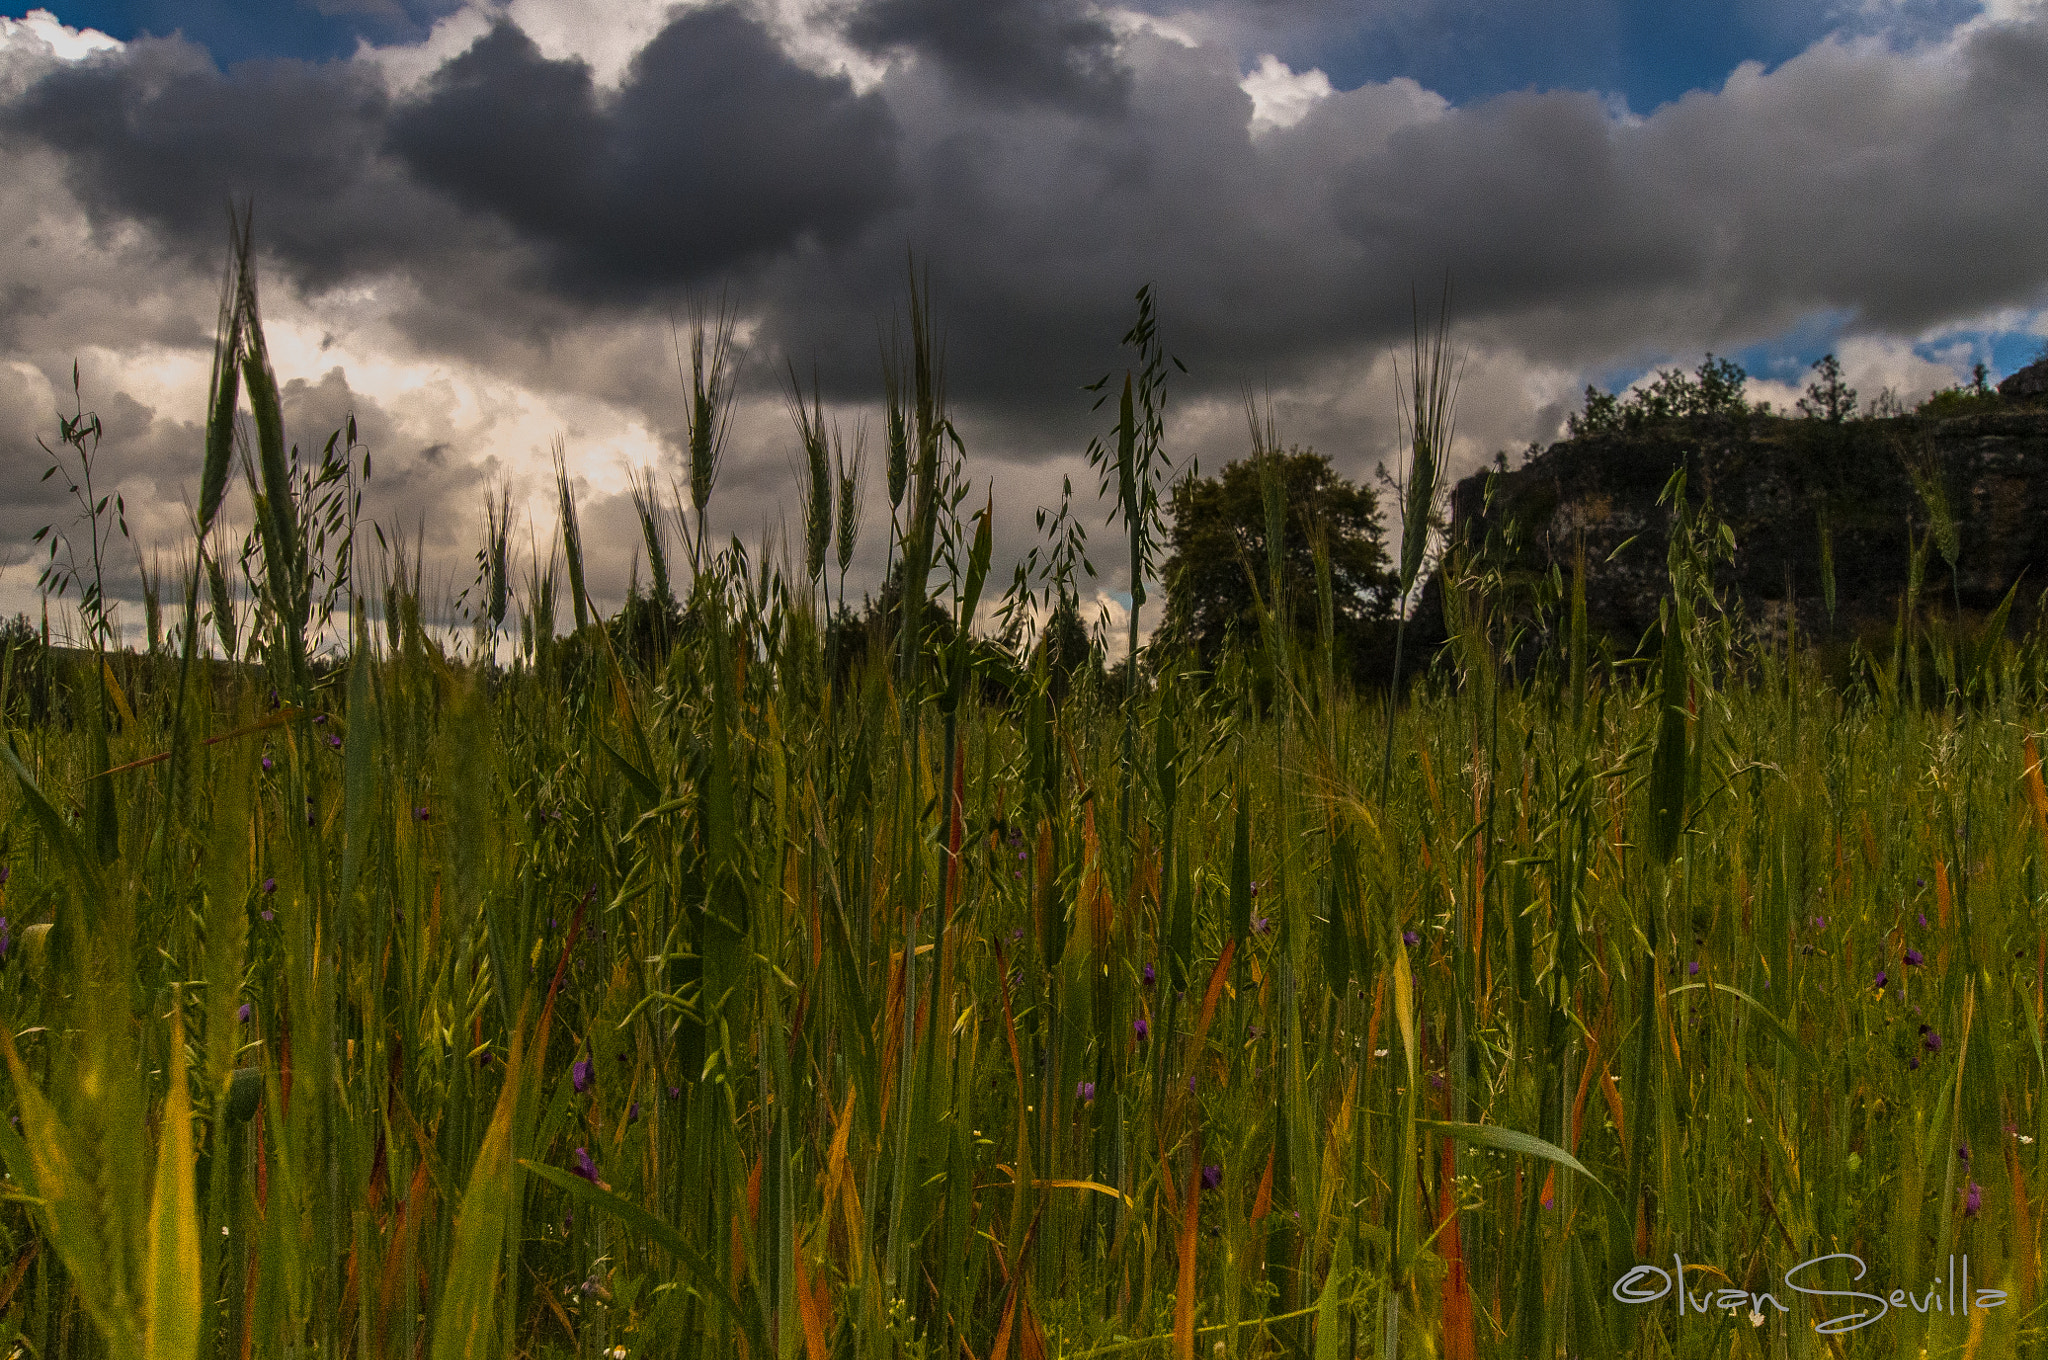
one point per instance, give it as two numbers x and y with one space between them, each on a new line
698 1270
1512 1140
171 1300
469 1292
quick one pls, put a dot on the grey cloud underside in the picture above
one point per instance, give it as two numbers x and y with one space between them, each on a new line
1052 51
523 201
159 136
717 151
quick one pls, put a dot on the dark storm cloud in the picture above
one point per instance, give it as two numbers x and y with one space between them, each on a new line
717 150
157 134
1055 51
1886 187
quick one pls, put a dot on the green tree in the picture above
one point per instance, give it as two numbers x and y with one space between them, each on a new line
1218 544
1714 391
1827 396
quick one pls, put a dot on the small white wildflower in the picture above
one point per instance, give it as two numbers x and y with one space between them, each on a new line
2026 1138
1756 1317
1379 1053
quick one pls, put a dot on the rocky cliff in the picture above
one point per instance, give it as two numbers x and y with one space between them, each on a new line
1774 481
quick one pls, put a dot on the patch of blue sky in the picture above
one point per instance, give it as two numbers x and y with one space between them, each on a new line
234 31
1787 357
1790 356
1646 52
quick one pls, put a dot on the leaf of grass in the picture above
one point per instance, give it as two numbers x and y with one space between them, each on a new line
702 1278
1771 1023
171 1301
1512 1140
462 1325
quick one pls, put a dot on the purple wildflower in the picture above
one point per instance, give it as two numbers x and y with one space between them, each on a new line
633 1113
1973 1203
5 873
1932 1042
1148 975
1212 1175
1881 976
580 1074
5 939
1084 1091
1963 1152
1913 959
1261 924
675 1093
1693 969
1191 1083
1142 1029
243 1014
267 765
1923 920
1820 923
319 718
269 886
420 813
1410 938
334 742
1912 1064
584 1167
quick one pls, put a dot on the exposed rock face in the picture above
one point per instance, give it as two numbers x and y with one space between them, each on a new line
1770 479
2028 385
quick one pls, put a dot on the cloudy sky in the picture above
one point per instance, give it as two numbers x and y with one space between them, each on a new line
477 220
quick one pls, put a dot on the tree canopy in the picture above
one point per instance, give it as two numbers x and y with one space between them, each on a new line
1218 547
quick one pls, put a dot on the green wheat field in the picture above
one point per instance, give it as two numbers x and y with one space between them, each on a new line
704 988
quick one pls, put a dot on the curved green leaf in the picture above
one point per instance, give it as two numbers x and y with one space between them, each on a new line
1513 1140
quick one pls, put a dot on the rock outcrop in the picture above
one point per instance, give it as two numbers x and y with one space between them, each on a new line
2030 384
1772 481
